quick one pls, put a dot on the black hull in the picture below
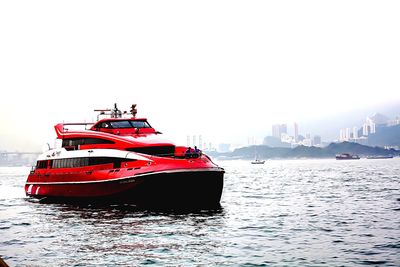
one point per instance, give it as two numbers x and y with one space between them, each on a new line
186 189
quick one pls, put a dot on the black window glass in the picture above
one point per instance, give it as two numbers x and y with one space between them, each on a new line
120 124
86 161
84 141
105 125
41 164
140 124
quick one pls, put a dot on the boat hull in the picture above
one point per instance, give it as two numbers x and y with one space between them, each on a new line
191 188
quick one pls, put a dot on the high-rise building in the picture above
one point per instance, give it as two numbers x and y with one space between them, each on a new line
200 142
317 140
394 122
355 132
296 132
348 134
278 130
345 134
366 129
341 135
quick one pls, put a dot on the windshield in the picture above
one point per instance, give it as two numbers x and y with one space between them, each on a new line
129 124
120 124
140 124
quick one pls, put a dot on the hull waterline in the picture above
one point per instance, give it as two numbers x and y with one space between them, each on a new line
180 188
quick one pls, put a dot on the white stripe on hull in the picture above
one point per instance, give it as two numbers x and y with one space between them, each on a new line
128 177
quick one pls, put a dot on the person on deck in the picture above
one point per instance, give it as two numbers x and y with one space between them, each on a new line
197 152
188 153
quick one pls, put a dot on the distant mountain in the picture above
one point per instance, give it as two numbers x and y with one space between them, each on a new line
385 136
328 127
266 152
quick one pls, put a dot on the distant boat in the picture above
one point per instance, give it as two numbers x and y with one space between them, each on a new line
380 157
346 156
257 161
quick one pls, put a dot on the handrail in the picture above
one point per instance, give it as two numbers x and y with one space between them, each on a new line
173 155
77 123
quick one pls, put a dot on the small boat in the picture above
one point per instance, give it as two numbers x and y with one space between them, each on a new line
121 158
346 156
258 161
380 157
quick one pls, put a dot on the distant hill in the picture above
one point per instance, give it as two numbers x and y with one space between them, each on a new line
266 152
329 126
385 136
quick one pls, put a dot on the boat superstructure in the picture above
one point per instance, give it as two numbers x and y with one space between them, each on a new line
122 158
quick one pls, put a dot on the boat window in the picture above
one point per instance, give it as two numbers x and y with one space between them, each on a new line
154 150
105 125
88 161
84 141
41 164
120 124
140 124
70 163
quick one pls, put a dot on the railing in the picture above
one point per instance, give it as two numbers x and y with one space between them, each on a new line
177 156
33 169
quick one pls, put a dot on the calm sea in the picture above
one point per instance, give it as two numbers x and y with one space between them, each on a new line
283 213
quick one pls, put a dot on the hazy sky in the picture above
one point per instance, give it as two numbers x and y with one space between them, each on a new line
223 69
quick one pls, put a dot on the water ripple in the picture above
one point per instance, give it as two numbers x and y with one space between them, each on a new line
283 213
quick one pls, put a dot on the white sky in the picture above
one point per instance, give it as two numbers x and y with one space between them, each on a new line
223 69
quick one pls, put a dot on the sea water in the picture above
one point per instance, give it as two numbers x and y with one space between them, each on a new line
282 213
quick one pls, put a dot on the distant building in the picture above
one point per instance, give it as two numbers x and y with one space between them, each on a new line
394 122
307 142
342 135
366 129
317 140
278 130
251 141
348 134
377 119
373 124
345 134
296 132
286 138
355 132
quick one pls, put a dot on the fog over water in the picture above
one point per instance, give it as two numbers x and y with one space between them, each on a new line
193 68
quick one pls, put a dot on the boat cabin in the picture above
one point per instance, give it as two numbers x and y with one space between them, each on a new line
123 126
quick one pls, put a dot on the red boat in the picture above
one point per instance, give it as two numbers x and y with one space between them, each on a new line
123 159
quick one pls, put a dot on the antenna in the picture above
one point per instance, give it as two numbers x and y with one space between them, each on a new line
133 110
115 112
